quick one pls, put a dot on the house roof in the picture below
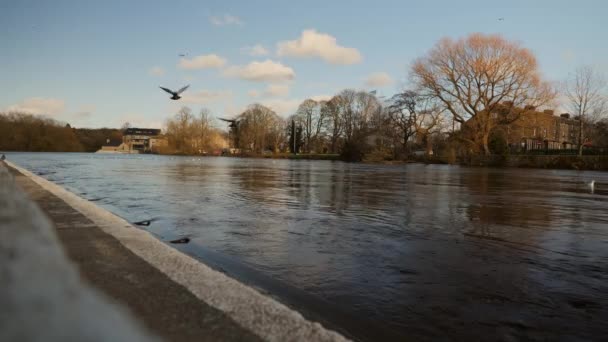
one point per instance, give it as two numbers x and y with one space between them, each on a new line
142 131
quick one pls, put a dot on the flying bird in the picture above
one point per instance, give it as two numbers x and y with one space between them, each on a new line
175 94
501 19
182 55
591 185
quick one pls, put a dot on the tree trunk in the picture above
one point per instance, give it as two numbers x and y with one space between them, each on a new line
486 148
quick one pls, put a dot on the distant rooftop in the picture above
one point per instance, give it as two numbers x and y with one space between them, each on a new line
142 131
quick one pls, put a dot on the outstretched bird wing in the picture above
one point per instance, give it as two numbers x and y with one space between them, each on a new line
182 90
168 90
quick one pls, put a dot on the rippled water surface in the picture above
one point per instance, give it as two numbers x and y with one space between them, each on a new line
379 252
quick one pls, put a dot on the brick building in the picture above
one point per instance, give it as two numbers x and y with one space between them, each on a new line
542 130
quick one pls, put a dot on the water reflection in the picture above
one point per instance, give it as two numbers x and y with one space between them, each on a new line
425 251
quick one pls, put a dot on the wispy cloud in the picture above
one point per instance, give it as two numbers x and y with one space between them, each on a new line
284 107
226 19
315 44
319 98
256 50
277 90
39 106
206 96
265 71
378 79
202 62
156 71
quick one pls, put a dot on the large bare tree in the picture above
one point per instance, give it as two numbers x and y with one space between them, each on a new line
475 75
585 91
259 127
411 114
333 121
310 116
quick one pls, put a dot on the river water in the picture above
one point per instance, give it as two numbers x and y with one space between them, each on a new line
418 252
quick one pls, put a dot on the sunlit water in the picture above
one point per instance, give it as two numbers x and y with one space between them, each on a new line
379 252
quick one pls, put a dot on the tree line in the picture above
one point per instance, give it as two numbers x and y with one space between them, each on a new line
27 132
459 93
192 134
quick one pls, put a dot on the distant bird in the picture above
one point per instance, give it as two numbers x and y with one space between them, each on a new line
501 19
591 185
182 54
143 223
182 240
175 94
3 157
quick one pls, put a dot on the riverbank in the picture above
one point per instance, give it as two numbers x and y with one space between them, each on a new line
558 162
175 296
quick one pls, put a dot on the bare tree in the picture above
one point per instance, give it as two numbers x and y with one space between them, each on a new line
310 116
356 109
473 76
259 127
203 130
402 113
333 122
179 130
585 91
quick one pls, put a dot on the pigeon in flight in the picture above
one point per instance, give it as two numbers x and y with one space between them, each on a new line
175 94
501 19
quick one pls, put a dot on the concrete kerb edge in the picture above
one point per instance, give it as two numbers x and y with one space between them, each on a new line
42 296
262 315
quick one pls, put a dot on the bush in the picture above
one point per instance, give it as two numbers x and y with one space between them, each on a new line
352 152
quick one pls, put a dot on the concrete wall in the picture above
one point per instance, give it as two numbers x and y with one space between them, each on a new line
42 297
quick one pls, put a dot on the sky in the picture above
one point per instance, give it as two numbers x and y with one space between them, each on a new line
100 63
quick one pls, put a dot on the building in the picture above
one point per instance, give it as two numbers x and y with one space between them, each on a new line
143 140
533 129
137 140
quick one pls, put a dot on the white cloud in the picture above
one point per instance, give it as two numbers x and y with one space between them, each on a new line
256 50
156 71
202 62
314 44
277 90
253 93
378 79
39 106
266 71
206 96
320 98
226 19
284 107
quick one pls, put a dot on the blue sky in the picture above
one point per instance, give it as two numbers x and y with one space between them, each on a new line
90 63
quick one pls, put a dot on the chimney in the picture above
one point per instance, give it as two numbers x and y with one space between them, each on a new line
548 111
565 115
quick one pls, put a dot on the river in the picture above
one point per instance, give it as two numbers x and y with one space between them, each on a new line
420 252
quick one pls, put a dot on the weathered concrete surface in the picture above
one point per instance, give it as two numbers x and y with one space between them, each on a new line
41 295
176 296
